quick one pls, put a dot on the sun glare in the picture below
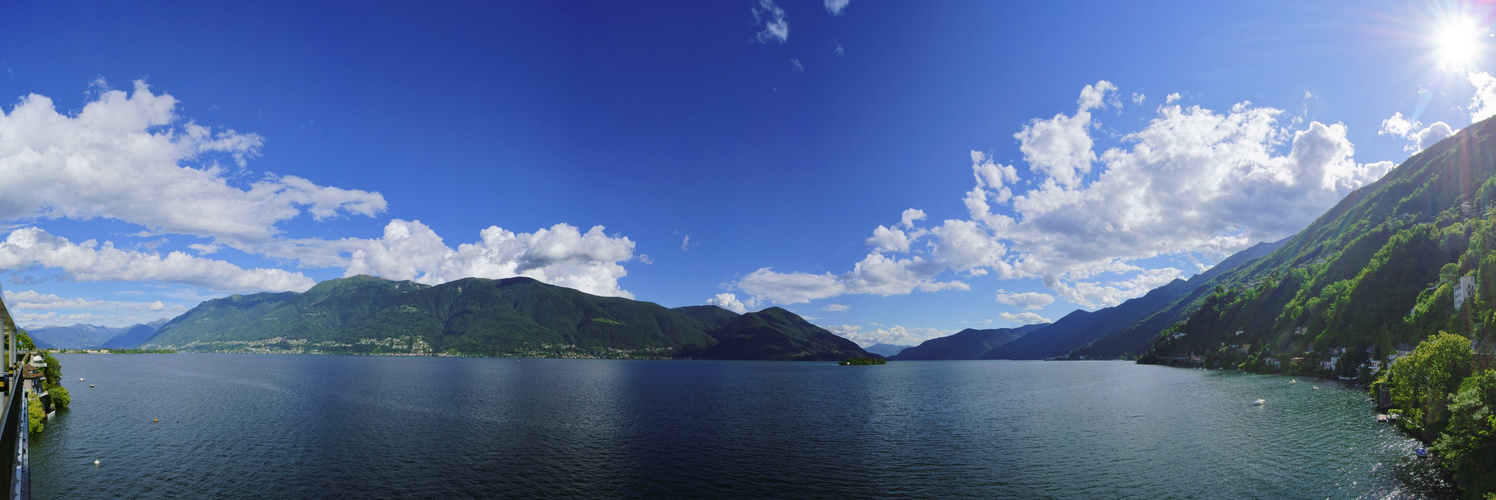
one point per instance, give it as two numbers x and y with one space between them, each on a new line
1460 42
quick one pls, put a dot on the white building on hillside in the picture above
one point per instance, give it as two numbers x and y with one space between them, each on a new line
1463 291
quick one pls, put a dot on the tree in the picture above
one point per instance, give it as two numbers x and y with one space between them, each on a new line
1422 382
1468 445
34 414
60 396
53 371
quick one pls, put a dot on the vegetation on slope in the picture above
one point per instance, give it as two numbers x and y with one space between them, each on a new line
776 334
483 317
52 384
1446 396
1377 271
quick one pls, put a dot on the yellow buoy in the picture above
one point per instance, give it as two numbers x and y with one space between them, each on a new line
155 420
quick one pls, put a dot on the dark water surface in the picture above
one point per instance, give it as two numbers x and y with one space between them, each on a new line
285 426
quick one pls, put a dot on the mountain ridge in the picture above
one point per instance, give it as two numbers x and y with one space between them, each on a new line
485 317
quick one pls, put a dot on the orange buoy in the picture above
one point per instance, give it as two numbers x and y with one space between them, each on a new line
155 420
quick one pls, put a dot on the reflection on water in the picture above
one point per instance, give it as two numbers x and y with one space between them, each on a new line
247 426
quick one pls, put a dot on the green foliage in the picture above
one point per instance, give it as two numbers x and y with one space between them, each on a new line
35 415
53 370
863 361
1468 445
24 340
1421 383
607 321
60 397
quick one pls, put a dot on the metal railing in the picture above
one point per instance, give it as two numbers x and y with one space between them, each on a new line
13 425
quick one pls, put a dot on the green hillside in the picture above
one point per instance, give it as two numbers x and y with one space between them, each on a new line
483 317
1376 271
776 334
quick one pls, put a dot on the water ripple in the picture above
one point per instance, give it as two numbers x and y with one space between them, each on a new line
255 426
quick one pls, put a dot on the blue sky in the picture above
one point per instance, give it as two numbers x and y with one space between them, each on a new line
892 170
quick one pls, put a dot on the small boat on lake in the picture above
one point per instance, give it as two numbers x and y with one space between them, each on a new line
1421 451
1292 381
1259 402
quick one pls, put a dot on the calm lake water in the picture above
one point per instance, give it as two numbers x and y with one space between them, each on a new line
257 426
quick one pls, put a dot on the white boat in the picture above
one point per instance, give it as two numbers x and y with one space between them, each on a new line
1292 381
1259 402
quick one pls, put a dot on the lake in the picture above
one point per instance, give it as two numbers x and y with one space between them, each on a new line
288 426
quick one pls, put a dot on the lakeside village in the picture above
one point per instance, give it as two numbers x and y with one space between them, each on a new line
110 351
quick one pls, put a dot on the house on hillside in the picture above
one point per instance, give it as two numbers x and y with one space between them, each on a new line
31 383
1464 290
1329 364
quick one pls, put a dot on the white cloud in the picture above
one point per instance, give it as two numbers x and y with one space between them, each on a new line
685 243
129 156
1138 98
910 216
729 301
838 50
1025 318
896 334
836 308
795 63
964 245
1191 180
1093 294
875 274
31 300
204 249
775 28
1027 300
1171 98
409 250
835 7
889 240
39 320
89 261
1060 147
1483 103
1419 137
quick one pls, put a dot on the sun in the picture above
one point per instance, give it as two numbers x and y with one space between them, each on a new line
1460 43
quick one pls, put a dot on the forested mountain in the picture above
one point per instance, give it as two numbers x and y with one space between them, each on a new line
483 317
965 344
1110 332
1379 269
775 334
